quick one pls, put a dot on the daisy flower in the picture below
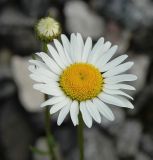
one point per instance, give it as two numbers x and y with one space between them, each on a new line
82 78
47 29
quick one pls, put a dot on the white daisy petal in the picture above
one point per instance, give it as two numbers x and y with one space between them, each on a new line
85 114
106 57
56 56
116 92
63 113
59 106
119 69
120 78
72 46
45 72
127 103
38 78
66 46
39 64
50 90
114 63
104 109
50 63
61 52
53 101
74 111
80 45
87 49
93 111
95 51
110 99
119 86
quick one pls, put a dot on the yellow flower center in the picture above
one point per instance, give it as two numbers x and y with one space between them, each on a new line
81 81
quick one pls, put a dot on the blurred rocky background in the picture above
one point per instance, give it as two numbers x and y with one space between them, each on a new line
128 23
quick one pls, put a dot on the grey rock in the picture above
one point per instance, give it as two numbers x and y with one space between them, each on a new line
115 126
128 139
30 98
98 146
147 144
35 8
142 156
141 64
138 13
12 17
16 135
85 21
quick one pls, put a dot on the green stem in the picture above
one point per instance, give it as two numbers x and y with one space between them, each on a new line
49 137
81 137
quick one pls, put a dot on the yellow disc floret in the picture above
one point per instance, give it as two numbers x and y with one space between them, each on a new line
81 81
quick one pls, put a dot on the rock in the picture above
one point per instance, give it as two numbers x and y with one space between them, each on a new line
128 139
138 13
140 68
142 156
41 145
85 21
32 7
30 98
98 146
16 134
12 17
7 85
147 144
115 126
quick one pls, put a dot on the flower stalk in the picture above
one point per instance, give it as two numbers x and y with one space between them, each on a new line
81 137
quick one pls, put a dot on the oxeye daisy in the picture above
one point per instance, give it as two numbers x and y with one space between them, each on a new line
82 78
47 29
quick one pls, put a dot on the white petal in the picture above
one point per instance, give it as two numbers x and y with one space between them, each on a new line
87 49
74 111
106 57
110 99
59 106
126 102
72 46
55 91
63 113
114 63
93 111
50 63
66 46
53 101
45 72
104 109
100 52
119 69
79 47
120 78
116 92
119 86
61 52
85 114
38 78
94 53
39 64
56 56
75 46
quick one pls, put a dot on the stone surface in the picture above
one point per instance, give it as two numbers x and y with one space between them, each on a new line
32 7
115 126
128 139
85 21
98 146
30 98
142 156
16 134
